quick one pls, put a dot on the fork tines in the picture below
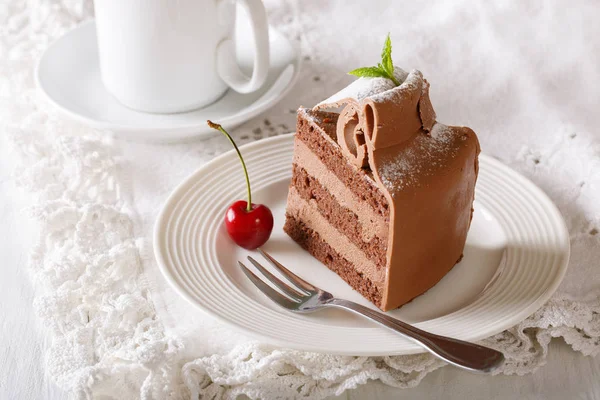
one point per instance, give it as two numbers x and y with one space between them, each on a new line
294 295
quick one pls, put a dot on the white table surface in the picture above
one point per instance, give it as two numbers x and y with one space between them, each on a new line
568 375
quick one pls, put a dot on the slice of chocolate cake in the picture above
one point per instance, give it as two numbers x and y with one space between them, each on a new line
381 193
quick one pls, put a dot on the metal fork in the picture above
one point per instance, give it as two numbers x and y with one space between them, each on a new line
304 297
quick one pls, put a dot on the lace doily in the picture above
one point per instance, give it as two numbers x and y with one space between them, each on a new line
94 298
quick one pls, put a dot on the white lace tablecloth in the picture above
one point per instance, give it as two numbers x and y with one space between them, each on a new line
525 77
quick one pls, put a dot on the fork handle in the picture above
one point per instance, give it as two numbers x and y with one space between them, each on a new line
462 354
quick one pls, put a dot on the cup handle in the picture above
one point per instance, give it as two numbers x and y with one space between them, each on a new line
227 65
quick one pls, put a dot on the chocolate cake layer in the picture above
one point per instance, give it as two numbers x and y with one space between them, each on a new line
357 180
345 220
312 242
335 210
372 223
308 213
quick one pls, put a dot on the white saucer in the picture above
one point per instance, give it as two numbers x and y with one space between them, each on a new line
516 255
68 74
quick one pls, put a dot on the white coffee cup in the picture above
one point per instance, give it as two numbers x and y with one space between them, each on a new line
167 56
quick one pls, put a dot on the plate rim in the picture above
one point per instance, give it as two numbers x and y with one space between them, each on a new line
274 341
185 132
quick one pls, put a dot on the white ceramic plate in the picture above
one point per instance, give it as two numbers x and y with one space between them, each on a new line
68 74
516 254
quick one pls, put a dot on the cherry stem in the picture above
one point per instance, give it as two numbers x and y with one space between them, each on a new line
224 132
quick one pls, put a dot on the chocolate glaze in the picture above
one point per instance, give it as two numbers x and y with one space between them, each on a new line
426 170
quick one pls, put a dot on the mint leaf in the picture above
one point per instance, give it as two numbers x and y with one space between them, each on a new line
386 56
369 72
384 69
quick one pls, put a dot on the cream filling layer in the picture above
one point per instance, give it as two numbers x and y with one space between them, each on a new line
308 213
371 222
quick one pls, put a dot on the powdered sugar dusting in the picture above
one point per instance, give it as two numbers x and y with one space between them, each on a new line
363 88
411 82
443 135
426 156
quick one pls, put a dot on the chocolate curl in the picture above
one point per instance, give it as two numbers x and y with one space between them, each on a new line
380 116
395 116
350 133
350 130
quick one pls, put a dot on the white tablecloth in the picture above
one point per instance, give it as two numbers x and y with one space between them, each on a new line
540 63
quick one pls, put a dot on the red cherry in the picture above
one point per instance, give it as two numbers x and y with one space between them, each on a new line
249 229
248 224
